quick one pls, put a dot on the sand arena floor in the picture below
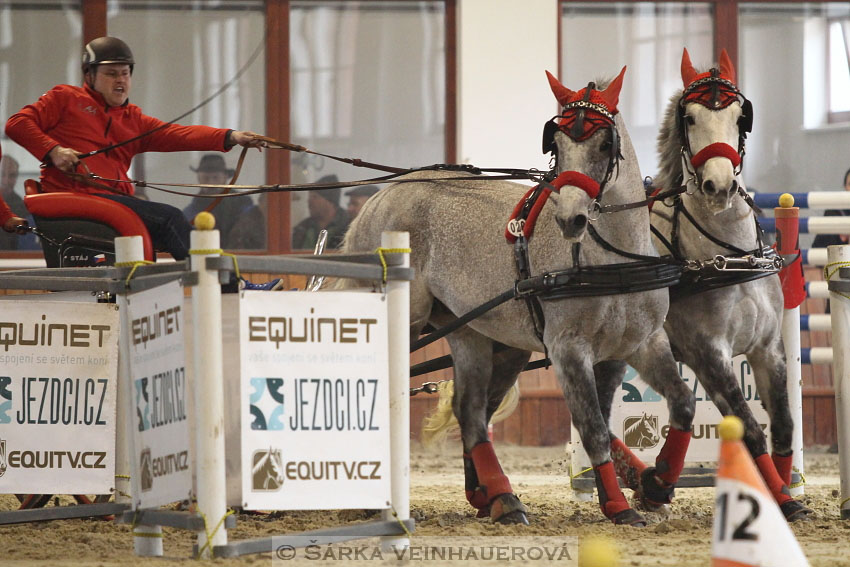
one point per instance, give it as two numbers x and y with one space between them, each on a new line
539 476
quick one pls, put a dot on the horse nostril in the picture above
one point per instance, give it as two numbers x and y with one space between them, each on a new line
579 222
708 187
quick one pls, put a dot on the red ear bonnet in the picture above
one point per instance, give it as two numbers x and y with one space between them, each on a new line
688 71
727 70
562 93
612 93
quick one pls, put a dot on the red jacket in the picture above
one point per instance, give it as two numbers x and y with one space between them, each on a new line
5 212
79 118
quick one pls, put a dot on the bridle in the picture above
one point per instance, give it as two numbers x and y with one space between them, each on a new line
715 93
579 120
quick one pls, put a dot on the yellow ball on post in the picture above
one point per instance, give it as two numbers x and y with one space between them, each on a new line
204 221
786 200
598 552
731 428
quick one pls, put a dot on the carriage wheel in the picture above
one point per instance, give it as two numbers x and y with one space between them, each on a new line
31 501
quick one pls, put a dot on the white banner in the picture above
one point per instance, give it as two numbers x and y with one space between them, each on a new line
58 377
315 400
160 457
640 418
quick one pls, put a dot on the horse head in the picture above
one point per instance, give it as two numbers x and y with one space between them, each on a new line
586 144
712 120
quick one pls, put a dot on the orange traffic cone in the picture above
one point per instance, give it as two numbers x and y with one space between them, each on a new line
749 529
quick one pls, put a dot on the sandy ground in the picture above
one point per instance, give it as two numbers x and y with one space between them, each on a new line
540 478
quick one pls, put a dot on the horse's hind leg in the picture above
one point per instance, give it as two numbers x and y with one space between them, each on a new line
655 363
609 375
473 366
507 364
576 377
769 370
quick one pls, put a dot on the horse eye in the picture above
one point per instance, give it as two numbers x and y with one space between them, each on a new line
605 147
690 120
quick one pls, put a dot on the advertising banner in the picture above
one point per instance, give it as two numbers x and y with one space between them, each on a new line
160 455
640 418
58 377
315 409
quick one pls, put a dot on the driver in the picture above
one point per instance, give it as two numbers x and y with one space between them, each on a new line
68 121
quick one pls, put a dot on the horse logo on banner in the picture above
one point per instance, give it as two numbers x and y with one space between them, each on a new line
146 465
2 457
267 470
641 432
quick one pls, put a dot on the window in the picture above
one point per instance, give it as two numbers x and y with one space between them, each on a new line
367 81
207 44
29 66
839 70
648 37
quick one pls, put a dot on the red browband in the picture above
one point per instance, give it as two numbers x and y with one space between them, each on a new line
718 149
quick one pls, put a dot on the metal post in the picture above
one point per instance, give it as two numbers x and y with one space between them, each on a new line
840 307
147 540
208 387
398 307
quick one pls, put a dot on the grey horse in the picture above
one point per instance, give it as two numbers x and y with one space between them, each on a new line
462 259
701 145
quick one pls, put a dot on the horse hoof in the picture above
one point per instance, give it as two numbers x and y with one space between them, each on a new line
629 517
507 509
794 510
515 517
654 493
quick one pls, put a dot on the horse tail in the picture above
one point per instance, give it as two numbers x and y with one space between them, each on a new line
436 425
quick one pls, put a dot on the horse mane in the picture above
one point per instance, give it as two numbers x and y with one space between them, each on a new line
669 147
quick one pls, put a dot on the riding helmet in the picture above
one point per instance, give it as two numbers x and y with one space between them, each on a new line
104 50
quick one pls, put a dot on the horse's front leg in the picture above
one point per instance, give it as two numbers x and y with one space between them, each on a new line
575 373
655 363
487 486
769 370
609 375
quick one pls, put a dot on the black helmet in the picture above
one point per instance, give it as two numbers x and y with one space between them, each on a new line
105 50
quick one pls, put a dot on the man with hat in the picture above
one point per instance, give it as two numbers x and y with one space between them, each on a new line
94 128
325 214
357 197
239 220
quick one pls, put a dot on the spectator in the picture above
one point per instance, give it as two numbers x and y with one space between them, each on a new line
325 213
239 220
824 240
69 122
8 180
357 197
8 219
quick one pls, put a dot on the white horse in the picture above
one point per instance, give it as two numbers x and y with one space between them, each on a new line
717 315
462 260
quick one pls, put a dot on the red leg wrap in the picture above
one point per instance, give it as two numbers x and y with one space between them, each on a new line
627 465
777 487
611 498
783 467
671 459
493 480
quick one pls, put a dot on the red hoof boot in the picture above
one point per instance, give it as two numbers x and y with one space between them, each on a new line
507 509
654 492
794 510
629 517
626 464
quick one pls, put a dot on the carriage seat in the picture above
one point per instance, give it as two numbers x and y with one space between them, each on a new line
79 228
